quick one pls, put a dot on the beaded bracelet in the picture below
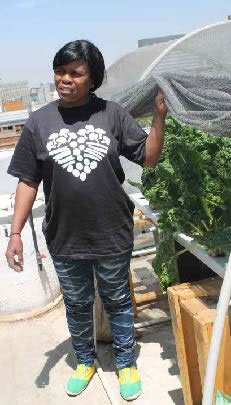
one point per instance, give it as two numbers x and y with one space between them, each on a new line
15 233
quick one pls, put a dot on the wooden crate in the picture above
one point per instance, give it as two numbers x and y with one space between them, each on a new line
192 320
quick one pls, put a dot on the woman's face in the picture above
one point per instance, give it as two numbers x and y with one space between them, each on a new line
73 82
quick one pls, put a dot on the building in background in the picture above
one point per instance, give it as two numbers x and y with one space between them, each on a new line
13 105
14 95
11 125
34 91
16 103
43 94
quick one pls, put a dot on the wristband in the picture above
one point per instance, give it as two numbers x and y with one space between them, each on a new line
15 233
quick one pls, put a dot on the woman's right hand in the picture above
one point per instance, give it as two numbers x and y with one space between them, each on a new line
24 199
15 248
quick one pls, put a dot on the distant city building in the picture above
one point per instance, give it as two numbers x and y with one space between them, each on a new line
34 94
14 95
157 40
13 105
43 94
11 126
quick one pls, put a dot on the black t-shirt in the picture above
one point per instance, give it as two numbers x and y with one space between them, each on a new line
75 151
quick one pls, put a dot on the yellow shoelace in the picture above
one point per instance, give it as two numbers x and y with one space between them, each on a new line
80 371
128 375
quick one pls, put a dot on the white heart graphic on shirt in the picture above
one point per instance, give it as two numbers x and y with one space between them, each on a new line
79 153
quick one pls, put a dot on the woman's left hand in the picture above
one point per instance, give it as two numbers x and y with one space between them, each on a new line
155 139
159 108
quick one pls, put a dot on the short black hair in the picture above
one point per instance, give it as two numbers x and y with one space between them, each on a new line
87 51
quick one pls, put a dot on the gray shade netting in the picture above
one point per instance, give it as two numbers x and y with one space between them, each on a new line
194 74
130 68
202 100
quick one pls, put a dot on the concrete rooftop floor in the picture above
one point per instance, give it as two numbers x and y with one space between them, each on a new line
37 358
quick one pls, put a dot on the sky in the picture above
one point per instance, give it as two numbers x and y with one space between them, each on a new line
32 31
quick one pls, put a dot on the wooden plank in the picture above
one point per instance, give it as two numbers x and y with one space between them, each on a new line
137 213
148 296
207 287
227 362
203 324
193 306
203 341
191 356
180 297
174 304
142 222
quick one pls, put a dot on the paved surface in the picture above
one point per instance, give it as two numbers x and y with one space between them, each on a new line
36 358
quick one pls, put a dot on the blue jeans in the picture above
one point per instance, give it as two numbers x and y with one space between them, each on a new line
77 283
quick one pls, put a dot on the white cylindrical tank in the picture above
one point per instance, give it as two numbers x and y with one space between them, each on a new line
32 289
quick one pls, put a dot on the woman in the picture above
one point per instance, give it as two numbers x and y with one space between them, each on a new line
73 146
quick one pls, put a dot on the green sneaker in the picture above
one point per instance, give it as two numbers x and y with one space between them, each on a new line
80 379
130 384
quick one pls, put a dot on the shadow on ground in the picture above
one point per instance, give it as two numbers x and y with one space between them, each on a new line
105 355
176 396
53 357
159 334
162 335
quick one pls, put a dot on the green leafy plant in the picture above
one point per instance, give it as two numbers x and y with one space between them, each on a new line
191 185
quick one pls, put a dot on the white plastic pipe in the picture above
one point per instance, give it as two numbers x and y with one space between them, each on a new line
217 333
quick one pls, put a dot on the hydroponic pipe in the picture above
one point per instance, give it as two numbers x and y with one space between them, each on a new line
217 333
142 247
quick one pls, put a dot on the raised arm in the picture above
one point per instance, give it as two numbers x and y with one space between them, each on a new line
25 196
155 139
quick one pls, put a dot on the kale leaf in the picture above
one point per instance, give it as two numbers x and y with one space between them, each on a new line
191 185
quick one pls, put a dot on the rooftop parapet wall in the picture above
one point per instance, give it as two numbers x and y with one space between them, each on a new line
33 289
